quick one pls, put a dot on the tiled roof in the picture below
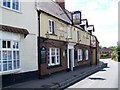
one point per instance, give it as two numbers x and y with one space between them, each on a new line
14 30
105 49
53 9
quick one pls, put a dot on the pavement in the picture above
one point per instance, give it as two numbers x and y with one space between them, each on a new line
59 80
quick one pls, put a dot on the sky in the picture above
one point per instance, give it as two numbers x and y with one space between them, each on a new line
103 14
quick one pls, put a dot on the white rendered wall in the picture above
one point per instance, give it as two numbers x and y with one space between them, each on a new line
26 18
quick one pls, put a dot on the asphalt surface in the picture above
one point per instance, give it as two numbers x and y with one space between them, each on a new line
105 78
59 80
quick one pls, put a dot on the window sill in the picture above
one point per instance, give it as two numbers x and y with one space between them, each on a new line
53 34
79 61
18 11
9 72
55 66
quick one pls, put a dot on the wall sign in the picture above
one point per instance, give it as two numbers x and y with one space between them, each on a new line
43 55
76 18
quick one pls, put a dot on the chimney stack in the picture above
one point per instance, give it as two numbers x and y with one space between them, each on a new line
61 3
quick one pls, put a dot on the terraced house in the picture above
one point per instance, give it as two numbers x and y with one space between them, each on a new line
41 37
18 41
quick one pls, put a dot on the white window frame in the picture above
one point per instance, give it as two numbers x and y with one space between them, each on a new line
11 5
80 55
69 33
86 54
79 37
57 56
86 34
51 29
17 59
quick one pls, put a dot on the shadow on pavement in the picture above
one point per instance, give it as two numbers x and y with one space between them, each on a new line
97 78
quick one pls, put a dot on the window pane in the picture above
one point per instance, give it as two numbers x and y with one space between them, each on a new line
4 55
14 55
13 44
3 44
0 60
0 56
8 44
50 25
18 64
78 35
53 27
53 60
9 65
17 55
69 32
17 45
58 59
4 3
9 55
15 4
4 65
15 64
0 66
8 4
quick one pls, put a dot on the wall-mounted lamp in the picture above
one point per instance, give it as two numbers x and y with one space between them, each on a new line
47 35
67 39
79 40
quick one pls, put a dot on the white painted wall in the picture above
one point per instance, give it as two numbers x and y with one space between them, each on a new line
26 18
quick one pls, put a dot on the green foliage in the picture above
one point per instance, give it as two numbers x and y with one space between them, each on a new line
113 48
118 48
104 55
114 56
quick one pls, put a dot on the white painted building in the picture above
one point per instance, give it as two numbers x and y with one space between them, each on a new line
18 48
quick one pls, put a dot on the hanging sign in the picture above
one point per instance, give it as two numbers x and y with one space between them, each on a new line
76 18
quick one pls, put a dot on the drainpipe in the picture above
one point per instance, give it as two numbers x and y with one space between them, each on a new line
90 51
39 53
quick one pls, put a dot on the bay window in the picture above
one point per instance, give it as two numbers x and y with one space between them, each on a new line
9 55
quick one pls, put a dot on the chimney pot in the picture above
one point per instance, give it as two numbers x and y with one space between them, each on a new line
61 3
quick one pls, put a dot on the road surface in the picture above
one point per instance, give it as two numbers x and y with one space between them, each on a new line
106 78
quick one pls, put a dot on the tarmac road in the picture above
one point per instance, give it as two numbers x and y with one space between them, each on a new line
106 78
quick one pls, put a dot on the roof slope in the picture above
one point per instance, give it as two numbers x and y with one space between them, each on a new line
53 9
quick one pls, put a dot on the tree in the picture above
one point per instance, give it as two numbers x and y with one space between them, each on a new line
118 52
118 48
114 48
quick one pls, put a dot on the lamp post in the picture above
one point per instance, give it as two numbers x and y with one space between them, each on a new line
39 53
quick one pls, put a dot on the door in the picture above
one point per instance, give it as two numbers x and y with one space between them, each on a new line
70 58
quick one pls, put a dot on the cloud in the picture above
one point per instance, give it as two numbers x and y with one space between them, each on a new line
103 14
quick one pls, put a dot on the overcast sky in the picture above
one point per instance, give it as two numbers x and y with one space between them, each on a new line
103 14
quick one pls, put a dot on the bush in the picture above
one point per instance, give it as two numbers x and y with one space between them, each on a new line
114 56
104 55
